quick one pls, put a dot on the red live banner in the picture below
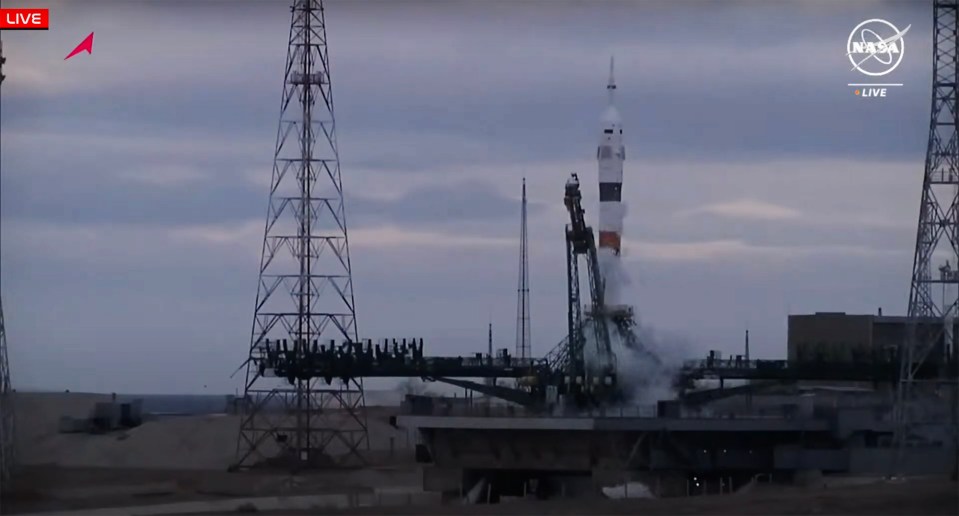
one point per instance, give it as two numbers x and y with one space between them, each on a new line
24 19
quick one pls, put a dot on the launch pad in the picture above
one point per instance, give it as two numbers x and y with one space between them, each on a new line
667 451
567 416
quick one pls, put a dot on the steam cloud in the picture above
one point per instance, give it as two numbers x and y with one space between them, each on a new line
646 362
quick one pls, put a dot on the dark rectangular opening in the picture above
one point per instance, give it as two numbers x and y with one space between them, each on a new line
610 192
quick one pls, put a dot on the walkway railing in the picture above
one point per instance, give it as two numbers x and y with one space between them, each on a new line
633 411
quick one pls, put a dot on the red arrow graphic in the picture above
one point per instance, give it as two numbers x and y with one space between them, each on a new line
86 44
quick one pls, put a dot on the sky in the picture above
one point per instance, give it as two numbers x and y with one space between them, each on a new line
135 180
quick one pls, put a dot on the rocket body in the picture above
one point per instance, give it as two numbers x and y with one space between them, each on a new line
610 154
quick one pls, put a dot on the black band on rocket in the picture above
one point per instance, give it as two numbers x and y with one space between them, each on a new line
610 192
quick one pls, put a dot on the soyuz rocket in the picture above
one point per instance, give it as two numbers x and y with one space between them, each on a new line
611 153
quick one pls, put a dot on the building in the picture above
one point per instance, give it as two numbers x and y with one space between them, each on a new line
841 337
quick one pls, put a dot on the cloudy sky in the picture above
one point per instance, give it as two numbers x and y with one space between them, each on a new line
135 179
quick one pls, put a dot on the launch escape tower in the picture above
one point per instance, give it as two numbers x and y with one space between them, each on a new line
305 291
523 344
6 390
937 238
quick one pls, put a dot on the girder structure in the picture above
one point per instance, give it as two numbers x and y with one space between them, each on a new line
7 419
575 339
523 344
934 290
7 450
590 371
581 242
305 288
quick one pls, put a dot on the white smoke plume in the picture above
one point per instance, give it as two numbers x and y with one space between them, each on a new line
614 275
647 363
647 368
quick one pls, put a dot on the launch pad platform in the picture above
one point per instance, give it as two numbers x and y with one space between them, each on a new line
662 446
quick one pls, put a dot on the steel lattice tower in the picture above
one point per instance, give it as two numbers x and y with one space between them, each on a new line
934 297
6 409
523 345
6 390
305 290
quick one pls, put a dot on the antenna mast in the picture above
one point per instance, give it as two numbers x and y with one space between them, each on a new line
523 343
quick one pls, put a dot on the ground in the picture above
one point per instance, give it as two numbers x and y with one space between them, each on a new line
169 460
914 497
52 488
181 459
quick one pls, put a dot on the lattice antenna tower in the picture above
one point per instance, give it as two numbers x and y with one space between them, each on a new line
7 457
6 409
934 298
523 343
305 291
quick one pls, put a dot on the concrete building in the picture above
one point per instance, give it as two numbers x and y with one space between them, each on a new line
510 453
841 337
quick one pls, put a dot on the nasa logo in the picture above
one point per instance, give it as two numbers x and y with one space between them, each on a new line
876 47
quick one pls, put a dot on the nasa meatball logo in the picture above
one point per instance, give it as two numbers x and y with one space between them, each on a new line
875 47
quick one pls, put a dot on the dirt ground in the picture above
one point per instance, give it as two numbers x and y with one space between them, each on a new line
201 442
914 497
51 488
184 459
172 459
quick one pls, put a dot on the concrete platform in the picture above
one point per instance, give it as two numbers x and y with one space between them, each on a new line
613 446
273 503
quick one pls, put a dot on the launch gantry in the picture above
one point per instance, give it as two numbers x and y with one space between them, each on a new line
7 419
589 371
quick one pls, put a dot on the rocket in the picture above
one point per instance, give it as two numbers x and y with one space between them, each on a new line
611 154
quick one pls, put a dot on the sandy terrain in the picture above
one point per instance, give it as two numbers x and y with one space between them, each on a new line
185 458
48 488
170 459
177 442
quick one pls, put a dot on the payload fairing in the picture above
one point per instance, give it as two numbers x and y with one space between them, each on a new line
611 154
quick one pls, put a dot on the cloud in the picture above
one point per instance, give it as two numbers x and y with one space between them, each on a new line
135 182
541 99
121 243
367 239
386 237
164 176
402 150
634 31
447 204
719 250
114 137
747 209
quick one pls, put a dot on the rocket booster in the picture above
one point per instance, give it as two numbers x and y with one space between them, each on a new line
611 154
